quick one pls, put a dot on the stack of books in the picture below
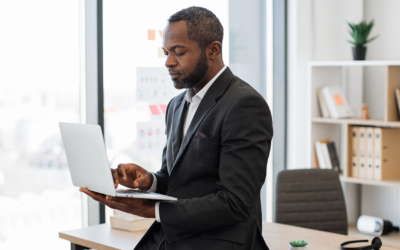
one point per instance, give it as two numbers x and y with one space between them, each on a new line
327 156
332 102
129 222
375 153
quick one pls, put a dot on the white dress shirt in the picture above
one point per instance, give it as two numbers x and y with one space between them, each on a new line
194 102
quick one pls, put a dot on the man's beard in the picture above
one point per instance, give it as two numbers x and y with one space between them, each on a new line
199 72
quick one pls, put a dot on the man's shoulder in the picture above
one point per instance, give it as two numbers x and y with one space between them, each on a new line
239 88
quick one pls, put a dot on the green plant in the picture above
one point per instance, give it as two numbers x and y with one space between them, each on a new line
360 32
298 243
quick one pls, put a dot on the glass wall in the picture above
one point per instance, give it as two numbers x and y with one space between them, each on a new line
39 87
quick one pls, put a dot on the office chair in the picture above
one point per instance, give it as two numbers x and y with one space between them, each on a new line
311 198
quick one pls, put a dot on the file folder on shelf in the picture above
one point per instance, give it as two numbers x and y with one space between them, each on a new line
354 152
369 137
361 153
387 153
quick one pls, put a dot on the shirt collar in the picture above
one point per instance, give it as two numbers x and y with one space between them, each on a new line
190 94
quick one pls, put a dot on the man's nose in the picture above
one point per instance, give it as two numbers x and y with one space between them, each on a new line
170 61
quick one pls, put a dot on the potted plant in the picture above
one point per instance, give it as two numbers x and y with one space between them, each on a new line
360 32
298 245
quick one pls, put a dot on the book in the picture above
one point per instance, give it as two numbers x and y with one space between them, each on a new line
320 155
325 152
387 156
333 157
397 93
354 152
126 215
361 153
322 104
130 224
370 150
336 102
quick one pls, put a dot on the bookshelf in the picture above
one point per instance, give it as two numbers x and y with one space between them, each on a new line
370 82
384 183
356 121
379 96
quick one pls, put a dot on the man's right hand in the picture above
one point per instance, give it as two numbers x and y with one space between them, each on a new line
132 176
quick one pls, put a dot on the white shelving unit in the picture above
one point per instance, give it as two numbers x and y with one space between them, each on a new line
371 82
379 96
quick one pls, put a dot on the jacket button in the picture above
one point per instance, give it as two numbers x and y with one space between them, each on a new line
173 188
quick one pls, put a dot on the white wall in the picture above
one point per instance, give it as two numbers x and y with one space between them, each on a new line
317 30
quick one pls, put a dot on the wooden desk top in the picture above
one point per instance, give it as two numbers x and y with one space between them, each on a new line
277 237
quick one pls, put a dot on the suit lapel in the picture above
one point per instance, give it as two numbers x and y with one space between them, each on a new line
177 125
206 104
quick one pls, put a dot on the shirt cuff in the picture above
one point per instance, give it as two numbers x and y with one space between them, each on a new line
153 187
158 219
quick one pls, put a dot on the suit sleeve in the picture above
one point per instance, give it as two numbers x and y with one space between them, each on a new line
162 174
245 144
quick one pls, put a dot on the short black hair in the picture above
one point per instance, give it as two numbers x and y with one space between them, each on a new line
203 26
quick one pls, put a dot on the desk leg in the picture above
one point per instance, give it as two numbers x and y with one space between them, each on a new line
77 247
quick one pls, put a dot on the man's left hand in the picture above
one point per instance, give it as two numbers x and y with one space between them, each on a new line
140 207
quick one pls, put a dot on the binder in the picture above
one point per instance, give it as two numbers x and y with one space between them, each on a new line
333 157
361 153
378 153
354 152
397 93
387 153
369 153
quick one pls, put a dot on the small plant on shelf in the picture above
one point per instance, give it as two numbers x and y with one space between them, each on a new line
360 32
298 245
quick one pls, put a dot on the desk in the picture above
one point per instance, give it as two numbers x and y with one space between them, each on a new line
277 237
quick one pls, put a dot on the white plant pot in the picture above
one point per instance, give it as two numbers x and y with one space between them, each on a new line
298 248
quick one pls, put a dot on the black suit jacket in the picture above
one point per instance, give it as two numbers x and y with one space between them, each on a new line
218 179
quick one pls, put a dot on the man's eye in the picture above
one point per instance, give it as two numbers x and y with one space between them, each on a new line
180 54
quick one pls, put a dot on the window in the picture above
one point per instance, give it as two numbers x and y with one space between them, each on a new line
39 87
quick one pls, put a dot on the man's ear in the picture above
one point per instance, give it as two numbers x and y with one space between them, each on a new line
214 49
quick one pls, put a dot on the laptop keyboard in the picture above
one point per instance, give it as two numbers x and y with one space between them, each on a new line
131 191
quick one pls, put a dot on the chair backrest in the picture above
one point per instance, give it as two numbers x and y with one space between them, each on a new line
311 198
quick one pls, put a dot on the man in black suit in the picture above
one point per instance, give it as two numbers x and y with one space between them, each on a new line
219 136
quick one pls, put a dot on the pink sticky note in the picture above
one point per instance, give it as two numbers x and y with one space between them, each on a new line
154 110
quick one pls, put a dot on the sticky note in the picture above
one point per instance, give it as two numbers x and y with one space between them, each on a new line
154 110
160 32
163 108
338 100
151 34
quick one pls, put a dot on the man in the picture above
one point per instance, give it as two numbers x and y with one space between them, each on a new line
219 135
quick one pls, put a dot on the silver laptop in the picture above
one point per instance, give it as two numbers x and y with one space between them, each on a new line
88 162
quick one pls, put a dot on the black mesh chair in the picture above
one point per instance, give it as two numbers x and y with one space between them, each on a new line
311 198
